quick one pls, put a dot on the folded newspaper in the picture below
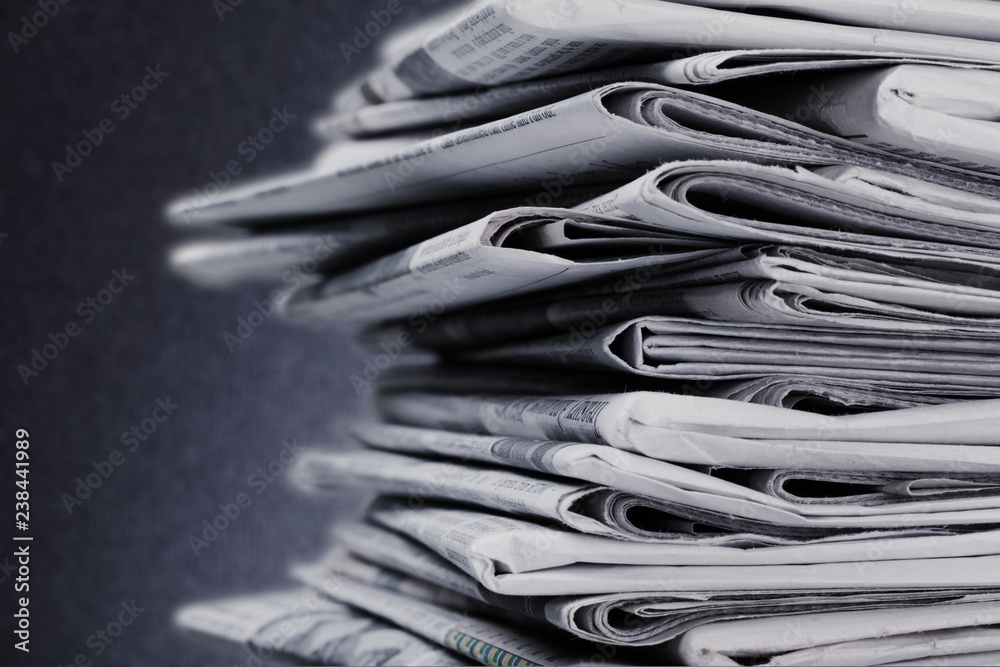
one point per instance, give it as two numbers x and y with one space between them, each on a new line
785 286
303 247
452 112
806 392
507 252
605 135
374 554
938 113
483 640
668 506
695 349
302 625
958 635
497 41
691 205
960 437
828 396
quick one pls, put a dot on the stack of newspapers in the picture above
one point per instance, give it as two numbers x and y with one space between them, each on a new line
682 320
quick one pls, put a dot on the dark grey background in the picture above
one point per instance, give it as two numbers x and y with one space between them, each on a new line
160 337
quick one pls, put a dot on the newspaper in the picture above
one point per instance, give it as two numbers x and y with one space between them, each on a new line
924 111
716 432
334 245
964 634
223 262
587 508
805 392
508 252
675 347
840 396
964 18
301 625
452 112
747 301
634 619
935 284
866 499
606 135
512 556
675 516
485 641
503 40
849 208
654 216
422 574
777 302
341 562
870 265
345 149
640 619
846 620
932 298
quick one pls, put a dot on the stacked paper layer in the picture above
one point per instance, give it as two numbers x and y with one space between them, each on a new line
682 325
